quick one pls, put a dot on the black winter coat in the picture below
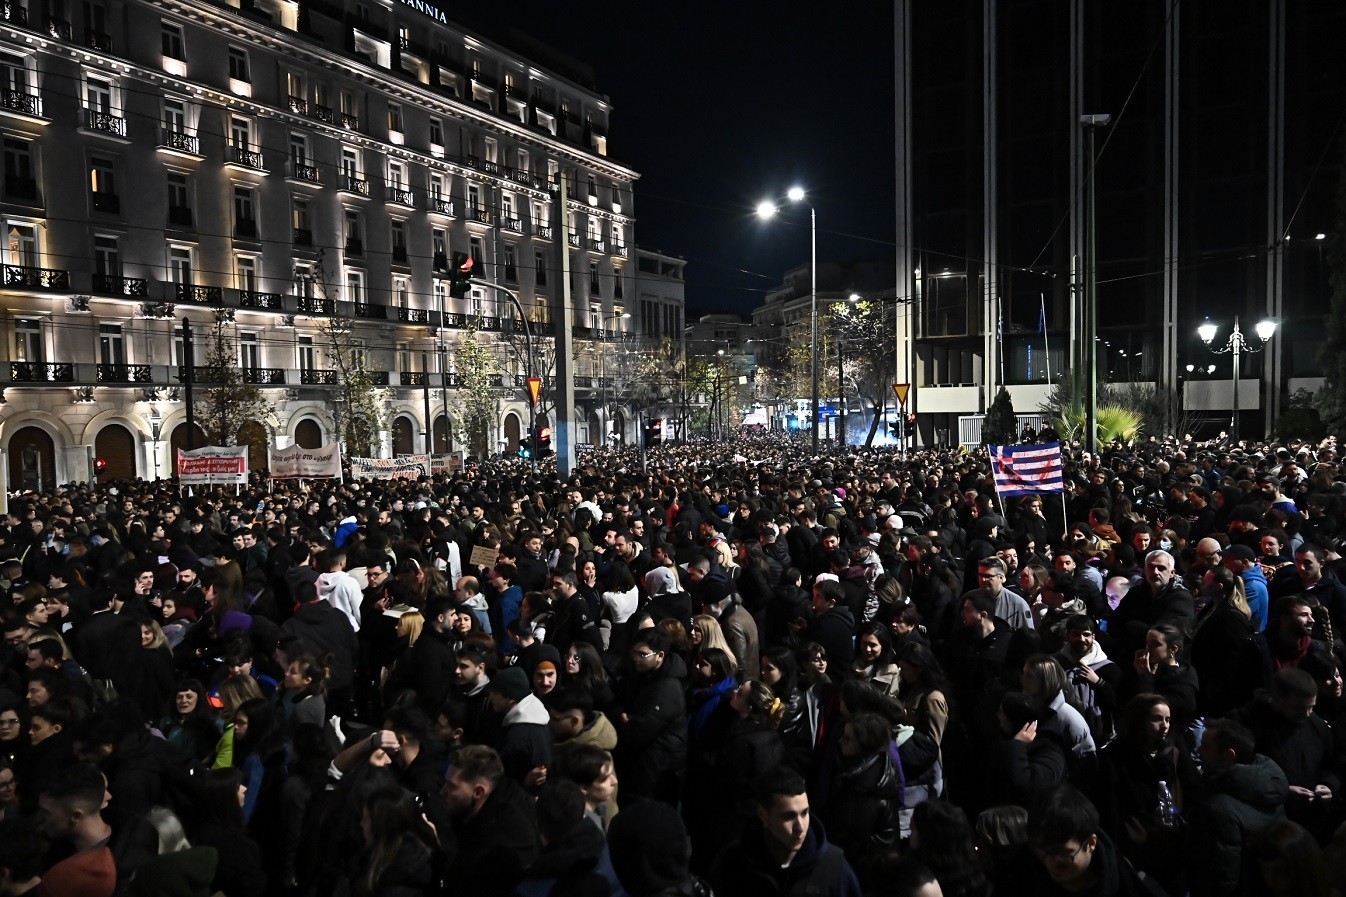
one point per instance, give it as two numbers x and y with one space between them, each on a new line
863 805
1240 804
652 742
326 630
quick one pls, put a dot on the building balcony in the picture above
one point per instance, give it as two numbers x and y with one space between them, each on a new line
348 121
481 216
371 311
21 101
322 113
317 377
13 13
513 224
308 174
400 197
620 249
59 28
107 203
597 245
41 372
125 373
377 378
303 236
441 206
413 316
264 376
414 378
237 155
298 104
351 184
98 40
199 295
259 300
542 231
314 305
179 141
574 241
116 285
31 278
105 123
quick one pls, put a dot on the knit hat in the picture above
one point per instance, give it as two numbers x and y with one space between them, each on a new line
511 682
661 581
649 847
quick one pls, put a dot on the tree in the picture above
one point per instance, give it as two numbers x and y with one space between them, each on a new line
1332 350
1001 425
230 402
473 404
864 340
356 400
1301 420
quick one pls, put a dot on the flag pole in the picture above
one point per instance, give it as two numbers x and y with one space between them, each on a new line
1046 343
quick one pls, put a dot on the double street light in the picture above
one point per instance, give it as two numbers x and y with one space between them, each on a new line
765 210
1235 347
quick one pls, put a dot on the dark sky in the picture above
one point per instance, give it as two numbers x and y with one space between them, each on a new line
720 106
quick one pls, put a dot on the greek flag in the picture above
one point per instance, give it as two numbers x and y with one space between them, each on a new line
1026 469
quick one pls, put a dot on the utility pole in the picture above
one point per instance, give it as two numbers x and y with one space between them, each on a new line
564 333
1091 124
188 375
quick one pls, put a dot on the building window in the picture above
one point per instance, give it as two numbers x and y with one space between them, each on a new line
245 215
397 175
395 118
175 116
21 246
616 283
107 260
303 280
111 344
439 242
245 273
180 264
541 216
511 264
436 133
98 95
294 85
355 286
299 149
249 351
507 206
300 223
28 340
179 200
473 200
441 294
305 355
238 65
240 133
594 287
354 232
20 180
173 46
437 190
401 292
350 168
478 253
399 240
540 268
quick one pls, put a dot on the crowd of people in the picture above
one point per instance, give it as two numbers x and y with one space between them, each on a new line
742 670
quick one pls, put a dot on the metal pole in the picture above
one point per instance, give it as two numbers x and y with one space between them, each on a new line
813 314
443 380
188 375
1091 318
528 355
1236 342
428 431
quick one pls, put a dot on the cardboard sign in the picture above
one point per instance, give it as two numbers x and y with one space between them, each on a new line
482 556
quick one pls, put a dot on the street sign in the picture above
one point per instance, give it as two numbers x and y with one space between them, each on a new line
827 411
534 389
901 390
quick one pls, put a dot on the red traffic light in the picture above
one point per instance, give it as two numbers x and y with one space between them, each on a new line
544 434
100 463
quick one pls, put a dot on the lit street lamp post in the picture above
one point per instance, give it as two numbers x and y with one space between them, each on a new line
1235 347
765 210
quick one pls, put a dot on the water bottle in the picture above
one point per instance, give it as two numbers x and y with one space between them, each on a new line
1168 808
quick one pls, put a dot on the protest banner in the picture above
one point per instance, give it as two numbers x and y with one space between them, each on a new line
407 467
298 462
213 465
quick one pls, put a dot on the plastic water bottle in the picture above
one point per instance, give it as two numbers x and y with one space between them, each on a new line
1168 807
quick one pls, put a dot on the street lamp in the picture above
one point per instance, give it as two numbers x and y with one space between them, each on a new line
156 428
1236 345
603 373
765 210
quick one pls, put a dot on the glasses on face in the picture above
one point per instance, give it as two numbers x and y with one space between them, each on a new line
643 655
1059 855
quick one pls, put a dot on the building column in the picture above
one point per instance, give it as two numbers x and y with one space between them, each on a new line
1168 372
991 345
908 275
1273 367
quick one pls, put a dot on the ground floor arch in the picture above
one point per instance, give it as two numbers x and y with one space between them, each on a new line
404 436
308 434
177 441
512 431
32 459
115 447
443 433
255 437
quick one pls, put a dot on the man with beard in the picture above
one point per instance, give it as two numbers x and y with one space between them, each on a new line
1289 637
495 824
1161 598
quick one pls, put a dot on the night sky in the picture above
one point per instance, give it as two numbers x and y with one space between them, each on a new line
718 107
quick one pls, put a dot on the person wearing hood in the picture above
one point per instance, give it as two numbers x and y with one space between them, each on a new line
324 630
652 727
666 598
783 850
346 527
740 629
1242 560
525 743
337 587
1245 793
574 857
1090 674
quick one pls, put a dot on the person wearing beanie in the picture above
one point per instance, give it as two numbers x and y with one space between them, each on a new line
651 852
525 745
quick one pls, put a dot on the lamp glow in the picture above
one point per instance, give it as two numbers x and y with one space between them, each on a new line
1266 328
795 194
765 209
1207 331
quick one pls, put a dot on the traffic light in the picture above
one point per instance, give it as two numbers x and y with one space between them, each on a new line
525 448
543 441
654 431
99 465
462 269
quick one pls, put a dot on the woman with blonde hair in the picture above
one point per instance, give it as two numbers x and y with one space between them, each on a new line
706 633
232 694
1219 644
